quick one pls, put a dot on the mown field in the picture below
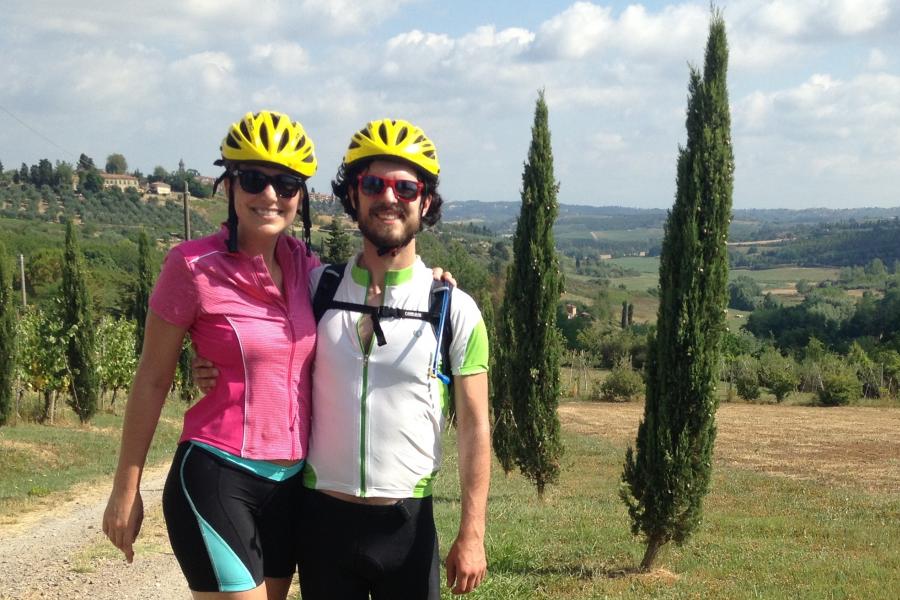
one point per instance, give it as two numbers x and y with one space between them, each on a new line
805 503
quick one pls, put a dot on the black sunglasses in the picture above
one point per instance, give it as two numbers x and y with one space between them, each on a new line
404 189
254 182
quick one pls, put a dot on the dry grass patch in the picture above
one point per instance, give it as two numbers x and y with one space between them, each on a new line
857 447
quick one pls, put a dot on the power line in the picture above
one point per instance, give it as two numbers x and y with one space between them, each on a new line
35 131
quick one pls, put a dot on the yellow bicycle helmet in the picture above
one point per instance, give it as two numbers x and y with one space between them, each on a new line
270 137
397 138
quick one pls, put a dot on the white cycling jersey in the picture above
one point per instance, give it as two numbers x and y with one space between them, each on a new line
377 413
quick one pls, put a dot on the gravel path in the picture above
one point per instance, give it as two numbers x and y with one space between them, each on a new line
61 553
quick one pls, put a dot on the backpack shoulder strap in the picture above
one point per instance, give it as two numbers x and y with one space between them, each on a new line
328 285
438 289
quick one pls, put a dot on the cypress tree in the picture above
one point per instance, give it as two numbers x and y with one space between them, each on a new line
338 245
624 322
142 288
667 475
79 325
630 314
531 344
504 438
7 338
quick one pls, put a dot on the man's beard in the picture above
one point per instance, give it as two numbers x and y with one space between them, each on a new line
387 236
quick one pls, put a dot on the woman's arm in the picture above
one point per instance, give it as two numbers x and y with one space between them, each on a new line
159 356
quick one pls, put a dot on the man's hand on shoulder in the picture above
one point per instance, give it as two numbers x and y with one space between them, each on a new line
466 565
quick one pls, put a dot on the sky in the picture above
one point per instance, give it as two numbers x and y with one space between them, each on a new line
814 88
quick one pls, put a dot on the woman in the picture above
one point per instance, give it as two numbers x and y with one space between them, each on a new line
231 498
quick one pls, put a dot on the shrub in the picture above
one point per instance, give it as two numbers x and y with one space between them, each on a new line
623 383
840 386
746 377
778 373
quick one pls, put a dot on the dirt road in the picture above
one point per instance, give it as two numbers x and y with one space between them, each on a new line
60 552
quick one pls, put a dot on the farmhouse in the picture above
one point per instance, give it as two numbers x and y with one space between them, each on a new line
123 182
160 189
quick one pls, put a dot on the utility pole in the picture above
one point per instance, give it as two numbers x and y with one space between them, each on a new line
187 212
22 278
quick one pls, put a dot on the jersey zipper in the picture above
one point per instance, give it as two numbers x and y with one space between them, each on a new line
362 428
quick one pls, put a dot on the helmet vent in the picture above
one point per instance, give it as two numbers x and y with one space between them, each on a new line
284 141
245 130
402 135
429 153
275 119
300 143
354 144
309 158
419 139
382 132
232 143
264 135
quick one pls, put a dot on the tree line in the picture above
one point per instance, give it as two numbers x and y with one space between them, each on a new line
83 176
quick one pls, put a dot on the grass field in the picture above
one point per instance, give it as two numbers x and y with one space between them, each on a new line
37 461
805 503
787 517
778 278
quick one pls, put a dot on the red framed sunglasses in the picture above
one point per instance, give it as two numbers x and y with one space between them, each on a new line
404 189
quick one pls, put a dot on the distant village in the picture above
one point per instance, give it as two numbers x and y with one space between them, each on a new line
161 188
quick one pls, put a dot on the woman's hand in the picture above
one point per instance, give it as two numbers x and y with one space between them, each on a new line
122 520
440 274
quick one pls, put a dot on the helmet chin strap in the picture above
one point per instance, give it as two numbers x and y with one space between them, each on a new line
232 214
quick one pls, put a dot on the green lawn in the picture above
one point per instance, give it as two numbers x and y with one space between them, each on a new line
762 537
648 267
776 278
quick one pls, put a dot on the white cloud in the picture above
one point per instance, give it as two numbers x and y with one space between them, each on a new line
576 32
877 60
815 18
605 141
675 30
285 58
863 112
851 17
349 16
760 52
214 71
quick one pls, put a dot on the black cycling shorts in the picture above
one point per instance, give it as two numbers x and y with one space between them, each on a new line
229 528
350 550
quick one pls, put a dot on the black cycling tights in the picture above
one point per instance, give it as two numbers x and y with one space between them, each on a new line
351 550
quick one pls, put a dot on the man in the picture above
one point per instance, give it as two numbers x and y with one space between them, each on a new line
375 442
378 405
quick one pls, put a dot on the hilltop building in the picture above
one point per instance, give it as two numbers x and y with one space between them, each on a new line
160 188
123 182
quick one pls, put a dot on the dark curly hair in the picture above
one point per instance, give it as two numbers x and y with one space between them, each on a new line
348 174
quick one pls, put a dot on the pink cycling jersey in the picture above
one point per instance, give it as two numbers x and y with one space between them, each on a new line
261 340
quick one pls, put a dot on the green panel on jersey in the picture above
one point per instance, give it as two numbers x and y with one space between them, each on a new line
476 358
423 488
361 276
309 477
445 396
